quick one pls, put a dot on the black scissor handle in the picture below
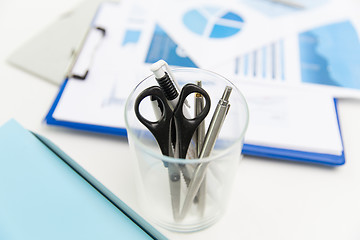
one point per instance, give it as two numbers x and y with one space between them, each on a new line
160 128
186 127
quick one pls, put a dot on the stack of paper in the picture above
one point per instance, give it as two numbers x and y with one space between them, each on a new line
240 39
315 42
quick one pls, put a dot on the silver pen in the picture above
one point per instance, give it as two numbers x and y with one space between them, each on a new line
200 136
200 131
209 143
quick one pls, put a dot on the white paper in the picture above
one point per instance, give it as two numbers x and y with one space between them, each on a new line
212 31
280 116
120 61
291 117
326 57
113 70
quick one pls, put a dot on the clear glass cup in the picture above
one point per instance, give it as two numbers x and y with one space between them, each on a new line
220 167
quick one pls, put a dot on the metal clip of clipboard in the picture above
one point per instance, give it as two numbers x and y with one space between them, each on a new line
80 67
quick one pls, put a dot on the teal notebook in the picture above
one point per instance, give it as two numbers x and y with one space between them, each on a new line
46 195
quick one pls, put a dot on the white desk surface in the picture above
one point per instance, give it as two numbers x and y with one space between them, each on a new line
271 199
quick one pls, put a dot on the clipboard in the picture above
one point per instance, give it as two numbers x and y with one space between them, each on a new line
248 149
51 49
100 37
82 71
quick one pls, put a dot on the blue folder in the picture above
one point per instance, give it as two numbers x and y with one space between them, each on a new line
47 195
248 149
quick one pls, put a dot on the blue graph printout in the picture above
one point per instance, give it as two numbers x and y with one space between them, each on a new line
163 47
330 55
226 24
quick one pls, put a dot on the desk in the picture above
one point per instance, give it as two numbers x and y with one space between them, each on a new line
271 199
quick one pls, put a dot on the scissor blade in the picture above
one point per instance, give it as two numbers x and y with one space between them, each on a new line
175 185
195 184
186 174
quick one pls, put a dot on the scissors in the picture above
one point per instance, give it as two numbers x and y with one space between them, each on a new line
162 130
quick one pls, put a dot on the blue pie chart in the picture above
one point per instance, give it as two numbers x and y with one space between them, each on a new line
213 22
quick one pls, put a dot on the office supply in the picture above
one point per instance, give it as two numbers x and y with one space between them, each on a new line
118 66
84 64
171 89
288 122
154 186
199 140
51 53
212 133
162 131
217 120
166 81
47 195
200 131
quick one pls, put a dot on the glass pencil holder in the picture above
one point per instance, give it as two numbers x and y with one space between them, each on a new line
187 194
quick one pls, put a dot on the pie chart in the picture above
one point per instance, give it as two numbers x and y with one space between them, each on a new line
213 22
